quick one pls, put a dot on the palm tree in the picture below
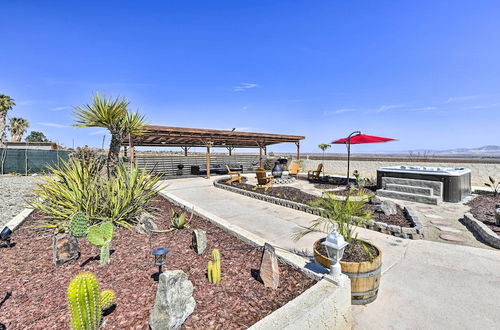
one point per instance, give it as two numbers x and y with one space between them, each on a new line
6 104
17 128
113 115
323 147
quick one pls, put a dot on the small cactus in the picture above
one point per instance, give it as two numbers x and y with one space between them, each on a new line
101 236
107 299
78 224
84 302
214 269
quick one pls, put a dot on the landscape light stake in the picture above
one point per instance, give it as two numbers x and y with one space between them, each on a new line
160 258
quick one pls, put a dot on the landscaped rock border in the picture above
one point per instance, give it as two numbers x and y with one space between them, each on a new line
416 232
482 230
325 305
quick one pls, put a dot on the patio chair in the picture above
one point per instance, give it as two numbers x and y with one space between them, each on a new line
234 176
314 175
263 180
295 169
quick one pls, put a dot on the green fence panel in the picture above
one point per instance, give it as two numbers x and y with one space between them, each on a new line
29 161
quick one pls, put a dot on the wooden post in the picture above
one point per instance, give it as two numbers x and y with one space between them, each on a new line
185 150
260 156
298 149
131 148
230 149
265 151
208 160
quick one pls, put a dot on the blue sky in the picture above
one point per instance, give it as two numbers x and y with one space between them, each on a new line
424 72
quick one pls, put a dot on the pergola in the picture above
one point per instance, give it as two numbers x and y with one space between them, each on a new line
186 138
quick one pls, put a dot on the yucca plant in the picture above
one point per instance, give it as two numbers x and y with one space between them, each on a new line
78 186
113 115
493 185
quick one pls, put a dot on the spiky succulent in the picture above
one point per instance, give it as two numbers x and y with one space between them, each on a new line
84 302
214 269
107 299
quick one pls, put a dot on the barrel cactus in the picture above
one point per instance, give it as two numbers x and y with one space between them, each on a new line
214 269
101 235
107 299
84 302
78 224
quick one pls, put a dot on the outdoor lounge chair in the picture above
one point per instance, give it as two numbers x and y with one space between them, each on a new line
295 169
233 175
314 175
263 180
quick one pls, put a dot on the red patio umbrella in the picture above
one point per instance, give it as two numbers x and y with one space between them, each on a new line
358 138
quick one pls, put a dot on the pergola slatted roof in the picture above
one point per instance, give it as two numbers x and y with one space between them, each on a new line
168 136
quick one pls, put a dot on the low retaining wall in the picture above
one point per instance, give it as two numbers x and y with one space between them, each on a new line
482 230
416 232
368 168
326 305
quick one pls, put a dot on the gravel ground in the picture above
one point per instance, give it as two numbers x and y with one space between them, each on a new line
15 192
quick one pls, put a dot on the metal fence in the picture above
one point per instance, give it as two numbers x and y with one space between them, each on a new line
29 161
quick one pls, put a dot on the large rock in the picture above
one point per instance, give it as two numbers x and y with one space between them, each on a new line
174 301
269 270
199 241
497 216
388 208
64 249
146 224
375 200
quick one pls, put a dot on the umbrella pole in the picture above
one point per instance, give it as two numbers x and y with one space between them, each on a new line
348 161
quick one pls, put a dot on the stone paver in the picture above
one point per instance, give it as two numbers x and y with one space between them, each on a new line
424 285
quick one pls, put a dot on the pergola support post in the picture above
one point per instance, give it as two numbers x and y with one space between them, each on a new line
185 149
230 149
209 145
260 154
131 149
298 149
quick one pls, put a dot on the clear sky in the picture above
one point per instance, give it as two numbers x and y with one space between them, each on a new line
424 72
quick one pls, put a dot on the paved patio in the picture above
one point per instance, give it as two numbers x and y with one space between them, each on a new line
425 284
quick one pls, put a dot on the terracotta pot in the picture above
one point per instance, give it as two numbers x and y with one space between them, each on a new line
365 276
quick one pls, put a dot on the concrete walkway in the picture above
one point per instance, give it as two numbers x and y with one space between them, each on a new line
425 284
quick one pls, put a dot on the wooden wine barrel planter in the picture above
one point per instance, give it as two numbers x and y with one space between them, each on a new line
365 276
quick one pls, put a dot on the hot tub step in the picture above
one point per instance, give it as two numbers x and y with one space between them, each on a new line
436 186
434 200
409 189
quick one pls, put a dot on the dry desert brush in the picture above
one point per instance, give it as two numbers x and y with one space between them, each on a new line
77 185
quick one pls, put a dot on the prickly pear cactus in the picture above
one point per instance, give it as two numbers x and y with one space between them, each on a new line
107 299
84 302
78 224
101 236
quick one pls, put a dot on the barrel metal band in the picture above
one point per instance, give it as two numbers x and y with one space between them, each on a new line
363 275
366 293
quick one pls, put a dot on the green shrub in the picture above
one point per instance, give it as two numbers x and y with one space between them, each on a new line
78 186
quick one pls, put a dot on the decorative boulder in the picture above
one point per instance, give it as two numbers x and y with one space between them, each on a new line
375 200
174 301
269 270
199 241
64 249
388 208
146 225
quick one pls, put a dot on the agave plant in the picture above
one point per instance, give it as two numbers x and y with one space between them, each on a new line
6 104
17 128
113 115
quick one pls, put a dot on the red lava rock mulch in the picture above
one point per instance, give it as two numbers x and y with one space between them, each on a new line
483 209
38 287
299 196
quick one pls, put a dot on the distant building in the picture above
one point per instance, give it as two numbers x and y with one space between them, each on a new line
32 145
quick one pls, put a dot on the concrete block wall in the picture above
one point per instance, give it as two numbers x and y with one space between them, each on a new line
368 168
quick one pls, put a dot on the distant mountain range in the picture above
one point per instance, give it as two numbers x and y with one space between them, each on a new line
485 151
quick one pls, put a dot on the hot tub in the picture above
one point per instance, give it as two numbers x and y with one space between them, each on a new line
456 181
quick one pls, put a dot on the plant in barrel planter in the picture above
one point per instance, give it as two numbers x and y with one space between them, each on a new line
361 260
